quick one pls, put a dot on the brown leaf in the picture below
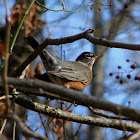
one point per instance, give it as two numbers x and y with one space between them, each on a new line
32 22
16 14
38 8
2 106
16 17
60 137
57 126
2 48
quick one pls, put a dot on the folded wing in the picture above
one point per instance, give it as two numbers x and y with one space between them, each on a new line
73 71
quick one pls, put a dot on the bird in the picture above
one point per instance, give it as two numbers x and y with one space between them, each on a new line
71 74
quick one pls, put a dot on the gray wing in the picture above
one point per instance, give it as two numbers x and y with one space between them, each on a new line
73 71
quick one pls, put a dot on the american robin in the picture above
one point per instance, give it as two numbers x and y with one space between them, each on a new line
74 75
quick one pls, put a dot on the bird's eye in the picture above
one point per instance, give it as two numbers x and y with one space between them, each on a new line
88 55
92 55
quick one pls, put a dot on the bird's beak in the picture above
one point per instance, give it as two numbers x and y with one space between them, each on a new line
97 56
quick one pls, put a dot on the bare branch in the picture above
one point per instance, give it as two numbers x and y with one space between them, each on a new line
77 97
95 40
6 58
95 112
63 10
22 126
58 113
134 136
3 126
85 35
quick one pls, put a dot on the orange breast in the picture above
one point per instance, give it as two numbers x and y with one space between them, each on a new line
77 85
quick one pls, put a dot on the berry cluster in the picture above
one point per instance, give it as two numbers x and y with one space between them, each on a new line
118 75
137 78
91 8
125 6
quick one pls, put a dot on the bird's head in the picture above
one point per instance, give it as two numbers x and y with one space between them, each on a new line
88 58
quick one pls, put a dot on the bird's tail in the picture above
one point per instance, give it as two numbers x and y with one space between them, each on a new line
32 42
50 61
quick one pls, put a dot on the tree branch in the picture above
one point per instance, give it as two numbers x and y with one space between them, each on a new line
85 35
95 112
57 113
6 58
95 40
77 97
22 126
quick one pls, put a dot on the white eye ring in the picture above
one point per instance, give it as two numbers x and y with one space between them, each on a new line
86 55
89 55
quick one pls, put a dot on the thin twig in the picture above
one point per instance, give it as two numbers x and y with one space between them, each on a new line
68 116
4 97
84 35
69 107
78 97
64 130
95 112
20 25
3 126
14 130
134 136
14 125
42 122
22 126
64 10
6 57
77 130
48 124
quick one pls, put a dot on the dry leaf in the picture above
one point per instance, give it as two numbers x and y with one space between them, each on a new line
57 125
60 137
32 22
2 106
2 48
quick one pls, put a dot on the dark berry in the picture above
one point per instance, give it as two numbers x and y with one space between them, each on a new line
117 77
128 76
119 67
121 81
110 4
126 5
132 66
127 60
136 78
63 102
91 8
99 9
110 74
